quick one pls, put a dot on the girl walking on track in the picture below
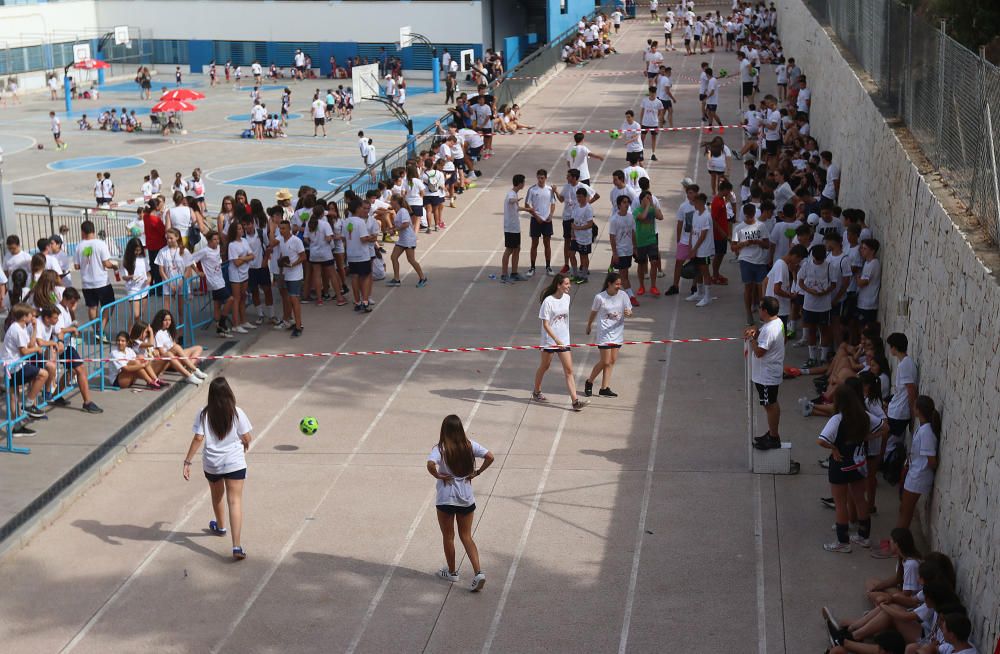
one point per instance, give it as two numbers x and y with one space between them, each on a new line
224 429
611 306
554 315
453 463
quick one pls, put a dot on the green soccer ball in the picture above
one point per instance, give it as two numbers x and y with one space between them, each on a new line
723 72
753 71
615 134
135 232
309 425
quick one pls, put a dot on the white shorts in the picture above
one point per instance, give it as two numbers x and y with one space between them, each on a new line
920 485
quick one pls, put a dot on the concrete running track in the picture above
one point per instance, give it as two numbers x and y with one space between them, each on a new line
632 526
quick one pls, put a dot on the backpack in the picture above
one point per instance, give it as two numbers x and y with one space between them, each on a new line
892 466
378 267
434 179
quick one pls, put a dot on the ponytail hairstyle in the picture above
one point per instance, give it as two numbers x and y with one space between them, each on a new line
903 538
455 448
401 202
872 387
37 266
258 214
318 212
553 285
853 417
610 280
929 413
18 282
136 332
220 410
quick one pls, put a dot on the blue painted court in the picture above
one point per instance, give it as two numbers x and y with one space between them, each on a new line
96 163
420 123
158 84
264 87
293 176
95 112
245 118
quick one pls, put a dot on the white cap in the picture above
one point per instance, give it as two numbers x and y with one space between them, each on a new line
686 182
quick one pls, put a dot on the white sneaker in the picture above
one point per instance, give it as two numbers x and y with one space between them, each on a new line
193 379
200 374
248 325
280 324
260 320
806 406
838 547
861 542
705 301
694 296
447 575
477 582
239 329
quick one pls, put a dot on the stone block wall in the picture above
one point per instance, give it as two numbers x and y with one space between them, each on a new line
953 320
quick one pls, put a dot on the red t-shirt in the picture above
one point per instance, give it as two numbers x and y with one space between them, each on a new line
720 219
156 231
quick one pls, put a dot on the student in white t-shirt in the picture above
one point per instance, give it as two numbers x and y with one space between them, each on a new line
610 307
136 275
923 459
225 431
649 111
540 201
631 134
512 231
93 260
751 246
869 280
577 157
406 245
554 314
767 346
210 258
240 256
361 233
702 250
818 281
183 360
453 463
621 234
129 366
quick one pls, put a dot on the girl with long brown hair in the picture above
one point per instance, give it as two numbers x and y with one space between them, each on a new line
453 463
224 429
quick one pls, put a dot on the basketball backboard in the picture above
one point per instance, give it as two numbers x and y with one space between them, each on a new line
405 40
81 52
466 59
365 82
121 35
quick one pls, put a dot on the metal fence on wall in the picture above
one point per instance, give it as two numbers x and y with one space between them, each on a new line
947 95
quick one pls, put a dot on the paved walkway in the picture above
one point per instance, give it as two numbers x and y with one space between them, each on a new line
633 526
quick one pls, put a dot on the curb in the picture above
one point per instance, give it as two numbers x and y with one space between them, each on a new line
64 491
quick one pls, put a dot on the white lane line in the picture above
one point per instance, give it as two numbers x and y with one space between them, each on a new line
137 155
647 491
758 533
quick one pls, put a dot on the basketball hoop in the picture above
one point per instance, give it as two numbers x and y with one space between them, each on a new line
122 36
405 38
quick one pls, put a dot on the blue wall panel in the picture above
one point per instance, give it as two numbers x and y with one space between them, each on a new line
201 54
558 22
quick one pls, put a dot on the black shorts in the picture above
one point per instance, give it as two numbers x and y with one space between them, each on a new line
456 510
512 240
68 356
221 294
821 318
863 316
651 75
747 89
485 131
433 200
668 37
697 38
27 373
634 157
103 201
730 37
235 474
258 278
721 245
324 262
475 152
329 108
582 248
538 229
702 261
667 103
450 177
610 346
701 97
773 147
319 121
767 394
646 253
567 226
416 210
687 41
836 475
95 297
360 268
711 107
555 350
624 262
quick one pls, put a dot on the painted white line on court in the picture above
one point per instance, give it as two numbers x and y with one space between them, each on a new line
647 490
137 155
758 533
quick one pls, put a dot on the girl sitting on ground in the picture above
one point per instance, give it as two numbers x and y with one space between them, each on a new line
183 360
130 366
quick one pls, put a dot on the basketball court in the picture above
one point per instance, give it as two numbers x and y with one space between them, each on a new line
633 526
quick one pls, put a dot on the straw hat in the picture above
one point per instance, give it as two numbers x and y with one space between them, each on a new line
283 194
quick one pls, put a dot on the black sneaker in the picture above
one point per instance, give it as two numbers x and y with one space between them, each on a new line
607 392
827 502
296 332
91 407
769 443
359 306
23 430
653 158
60 402
368 308
673 290
34 411
588 388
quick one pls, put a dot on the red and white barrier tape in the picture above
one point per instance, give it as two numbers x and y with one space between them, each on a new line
608 131
427 350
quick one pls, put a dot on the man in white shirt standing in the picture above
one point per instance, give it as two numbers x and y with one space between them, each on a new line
649 112
665 94
712 100
577 157
772 133
832 188
702 251
767 346
631 133
319 115
93 260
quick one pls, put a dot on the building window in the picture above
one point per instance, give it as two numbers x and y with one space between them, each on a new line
563 6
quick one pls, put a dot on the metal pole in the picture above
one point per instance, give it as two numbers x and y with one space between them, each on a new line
939 146
980 141
993 164
908 75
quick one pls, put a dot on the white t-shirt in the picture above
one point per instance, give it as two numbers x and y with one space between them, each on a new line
171 262
163 340
222 455
717 164
920 476
17 336
511 222
818 277
211 265
767 370
780 236
540 199
459 491
120 359
292 248
663 86
140 278
239 272
824 227
754 254
611 316
623 229
653 61
832 175
21 260
320 249
712 92
632 176
407 238
357 250
868 295
802 100
569 197
773 116
581 216
556 312
780 273
702 222
180 219
444 152
649 112
577 157
414 188
318 109
631 133
899 405
91 254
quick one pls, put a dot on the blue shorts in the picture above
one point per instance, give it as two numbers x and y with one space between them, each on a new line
752 273
293 287
68 355
222 294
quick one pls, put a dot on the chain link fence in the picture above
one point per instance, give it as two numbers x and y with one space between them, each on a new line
947 95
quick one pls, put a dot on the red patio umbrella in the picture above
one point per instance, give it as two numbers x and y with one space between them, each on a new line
172 105
91 64
182 94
